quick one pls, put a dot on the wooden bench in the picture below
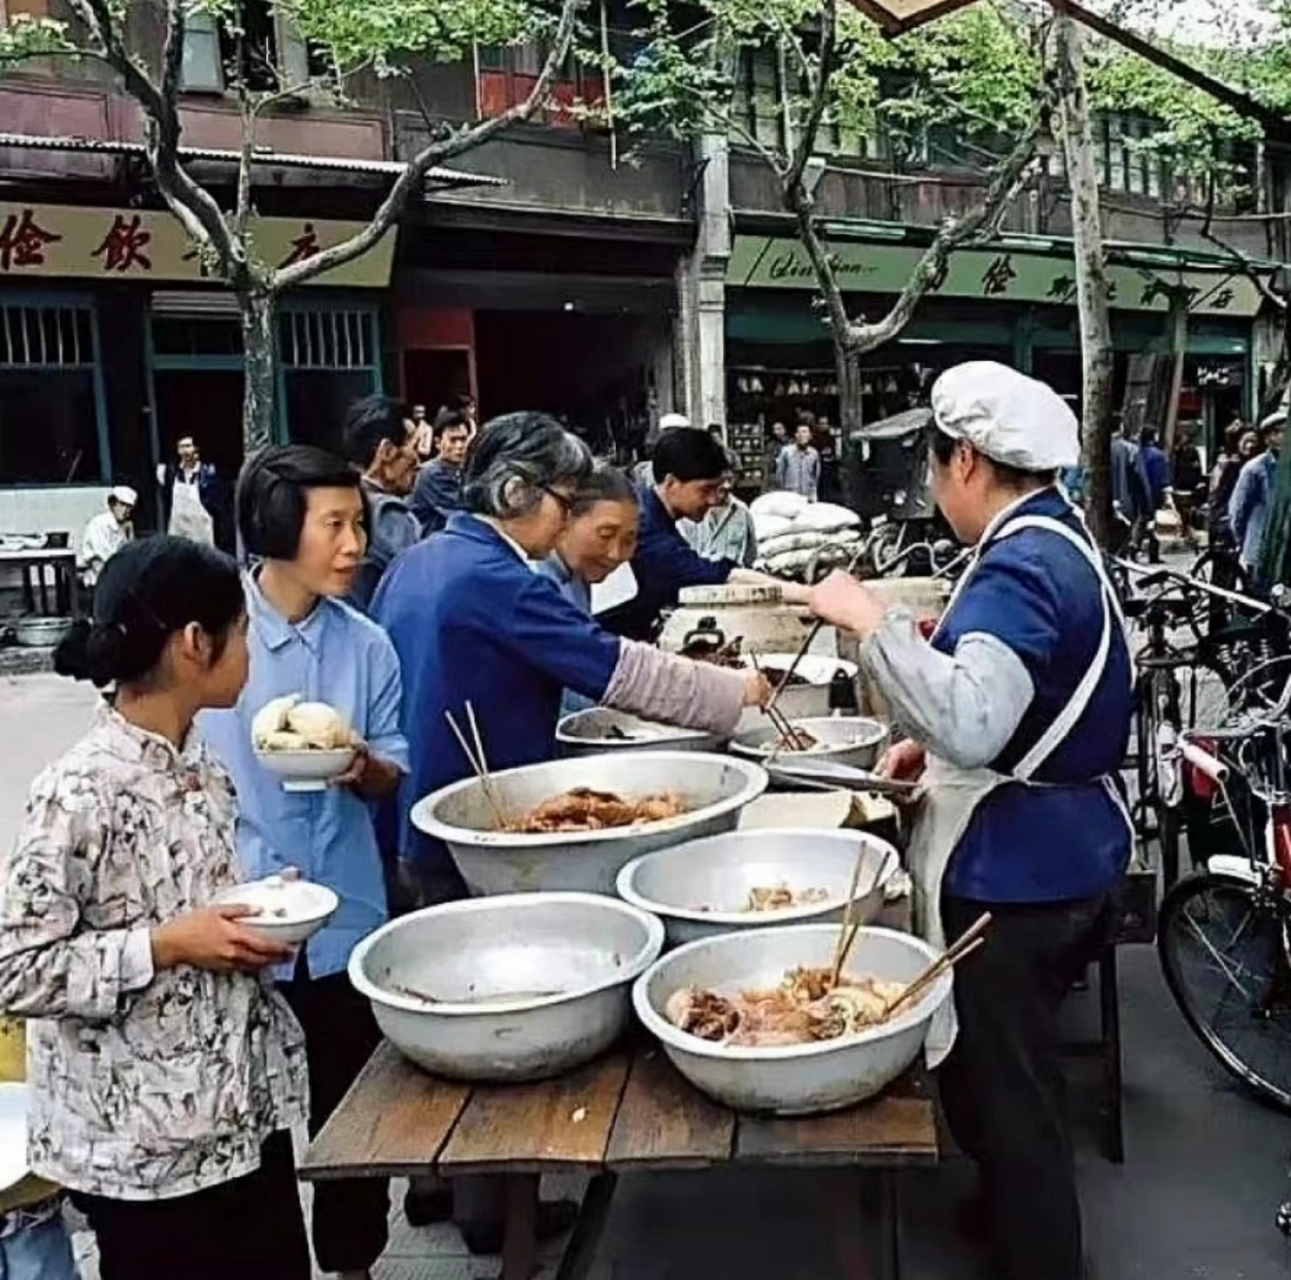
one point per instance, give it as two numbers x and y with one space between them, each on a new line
628 1112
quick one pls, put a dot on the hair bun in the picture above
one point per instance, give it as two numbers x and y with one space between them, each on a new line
89 651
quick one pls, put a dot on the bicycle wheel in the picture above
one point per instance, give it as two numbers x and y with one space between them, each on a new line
1224 956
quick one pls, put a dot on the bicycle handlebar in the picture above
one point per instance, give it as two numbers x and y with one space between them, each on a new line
1216 770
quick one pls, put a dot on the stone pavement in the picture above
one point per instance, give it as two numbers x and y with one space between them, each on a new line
1206 1166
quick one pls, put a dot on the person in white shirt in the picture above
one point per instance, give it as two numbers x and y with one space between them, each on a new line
106 534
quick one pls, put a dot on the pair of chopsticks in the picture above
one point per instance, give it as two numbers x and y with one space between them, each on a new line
965 946
788 734
478 761
807 643
851 925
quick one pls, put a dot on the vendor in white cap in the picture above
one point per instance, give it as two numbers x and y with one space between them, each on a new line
105 534
1018 716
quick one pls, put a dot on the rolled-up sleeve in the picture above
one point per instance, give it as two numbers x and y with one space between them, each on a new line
50 964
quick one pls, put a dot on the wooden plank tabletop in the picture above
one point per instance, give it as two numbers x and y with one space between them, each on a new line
552 1126
393 1122
665 1123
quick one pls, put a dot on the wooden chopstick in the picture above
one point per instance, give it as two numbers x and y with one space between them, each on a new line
844 943
479 768
779 723
965 945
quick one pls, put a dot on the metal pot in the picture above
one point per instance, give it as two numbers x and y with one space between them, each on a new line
40 633
715 788
701 888
793 1079
519 988
600 729
755 614
852 740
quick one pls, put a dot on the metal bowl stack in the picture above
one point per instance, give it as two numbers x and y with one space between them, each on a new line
704 887
714 789
799 1079
600 729
510 988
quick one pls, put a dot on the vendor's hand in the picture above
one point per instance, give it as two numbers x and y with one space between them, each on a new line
212 938
848 604
757 689
904 763
368 774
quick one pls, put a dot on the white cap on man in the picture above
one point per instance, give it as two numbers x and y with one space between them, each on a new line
671 420
124 495
1008 417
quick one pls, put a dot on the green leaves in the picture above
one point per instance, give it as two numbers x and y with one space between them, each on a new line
26 37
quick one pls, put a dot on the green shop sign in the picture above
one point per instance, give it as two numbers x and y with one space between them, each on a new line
772 262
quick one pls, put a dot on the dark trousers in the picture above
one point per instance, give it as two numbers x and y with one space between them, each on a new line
251 1228
349 1225
1002 1087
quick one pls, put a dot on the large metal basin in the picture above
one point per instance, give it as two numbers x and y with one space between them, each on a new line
792 1079
714 787
602 729
523 987
700 889
851 740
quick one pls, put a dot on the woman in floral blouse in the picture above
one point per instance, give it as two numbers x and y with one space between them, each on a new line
166 1072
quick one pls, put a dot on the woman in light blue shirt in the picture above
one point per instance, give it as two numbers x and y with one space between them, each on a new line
301 514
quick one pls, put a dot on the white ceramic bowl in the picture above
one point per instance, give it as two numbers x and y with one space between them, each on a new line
715 789
700 888
791 1079
521 987
291 911
307 770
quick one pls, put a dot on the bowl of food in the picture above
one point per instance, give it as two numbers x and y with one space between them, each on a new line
807 693
307 744
572 824
509 988
751 1018
759 879
850 740
599 729
288 910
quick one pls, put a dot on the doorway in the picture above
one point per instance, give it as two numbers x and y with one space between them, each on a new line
433 376
205 404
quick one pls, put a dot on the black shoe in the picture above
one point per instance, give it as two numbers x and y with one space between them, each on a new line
555 1217
422 1208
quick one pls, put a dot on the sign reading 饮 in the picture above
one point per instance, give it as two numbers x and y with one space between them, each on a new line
1009 276
46 241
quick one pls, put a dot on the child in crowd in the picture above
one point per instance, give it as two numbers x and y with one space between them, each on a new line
301 518
166 1072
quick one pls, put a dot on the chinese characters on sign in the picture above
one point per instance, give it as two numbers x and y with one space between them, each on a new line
23 241
90 243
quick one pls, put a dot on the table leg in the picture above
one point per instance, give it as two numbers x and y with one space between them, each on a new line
580 1252
520 1227
28 591
44 597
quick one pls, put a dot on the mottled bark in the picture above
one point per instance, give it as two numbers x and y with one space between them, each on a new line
259 348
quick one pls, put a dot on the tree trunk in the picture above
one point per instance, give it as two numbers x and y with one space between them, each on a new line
847 362
1091 277
259 358
1177 328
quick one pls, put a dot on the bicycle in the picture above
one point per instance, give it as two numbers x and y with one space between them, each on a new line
1224 932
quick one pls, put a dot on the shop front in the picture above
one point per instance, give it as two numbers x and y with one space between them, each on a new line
114 343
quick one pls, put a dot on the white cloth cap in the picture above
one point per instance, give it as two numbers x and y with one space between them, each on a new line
670 420
1007 416
125 495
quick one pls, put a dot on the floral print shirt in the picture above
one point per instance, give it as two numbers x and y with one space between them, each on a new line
145 1084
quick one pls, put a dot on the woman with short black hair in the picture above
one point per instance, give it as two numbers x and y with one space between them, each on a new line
166 1073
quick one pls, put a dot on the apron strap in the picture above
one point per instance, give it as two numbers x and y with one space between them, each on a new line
1067 719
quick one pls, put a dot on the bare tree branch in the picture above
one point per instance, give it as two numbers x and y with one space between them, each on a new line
411 180
820 83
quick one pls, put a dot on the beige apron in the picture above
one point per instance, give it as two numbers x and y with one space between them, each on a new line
188 518
952 795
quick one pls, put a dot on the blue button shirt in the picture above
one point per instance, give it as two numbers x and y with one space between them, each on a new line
337 656
471 621
663 564
578 592
1068 839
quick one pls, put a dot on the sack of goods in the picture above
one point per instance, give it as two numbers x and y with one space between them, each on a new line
819 531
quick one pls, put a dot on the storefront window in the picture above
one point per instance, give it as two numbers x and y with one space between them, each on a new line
329 357
49 398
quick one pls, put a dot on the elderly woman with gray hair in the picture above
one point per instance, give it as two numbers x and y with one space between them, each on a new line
472 621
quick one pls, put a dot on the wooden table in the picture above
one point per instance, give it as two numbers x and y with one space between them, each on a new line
32 562
627 1112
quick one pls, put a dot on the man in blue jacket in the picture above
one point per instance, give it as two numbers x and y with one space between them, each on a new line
1248 508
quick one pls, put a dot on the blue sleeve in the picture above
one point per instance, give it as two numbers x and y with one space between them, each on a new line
1241 503
1011 598
671 563
547 631
385 732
